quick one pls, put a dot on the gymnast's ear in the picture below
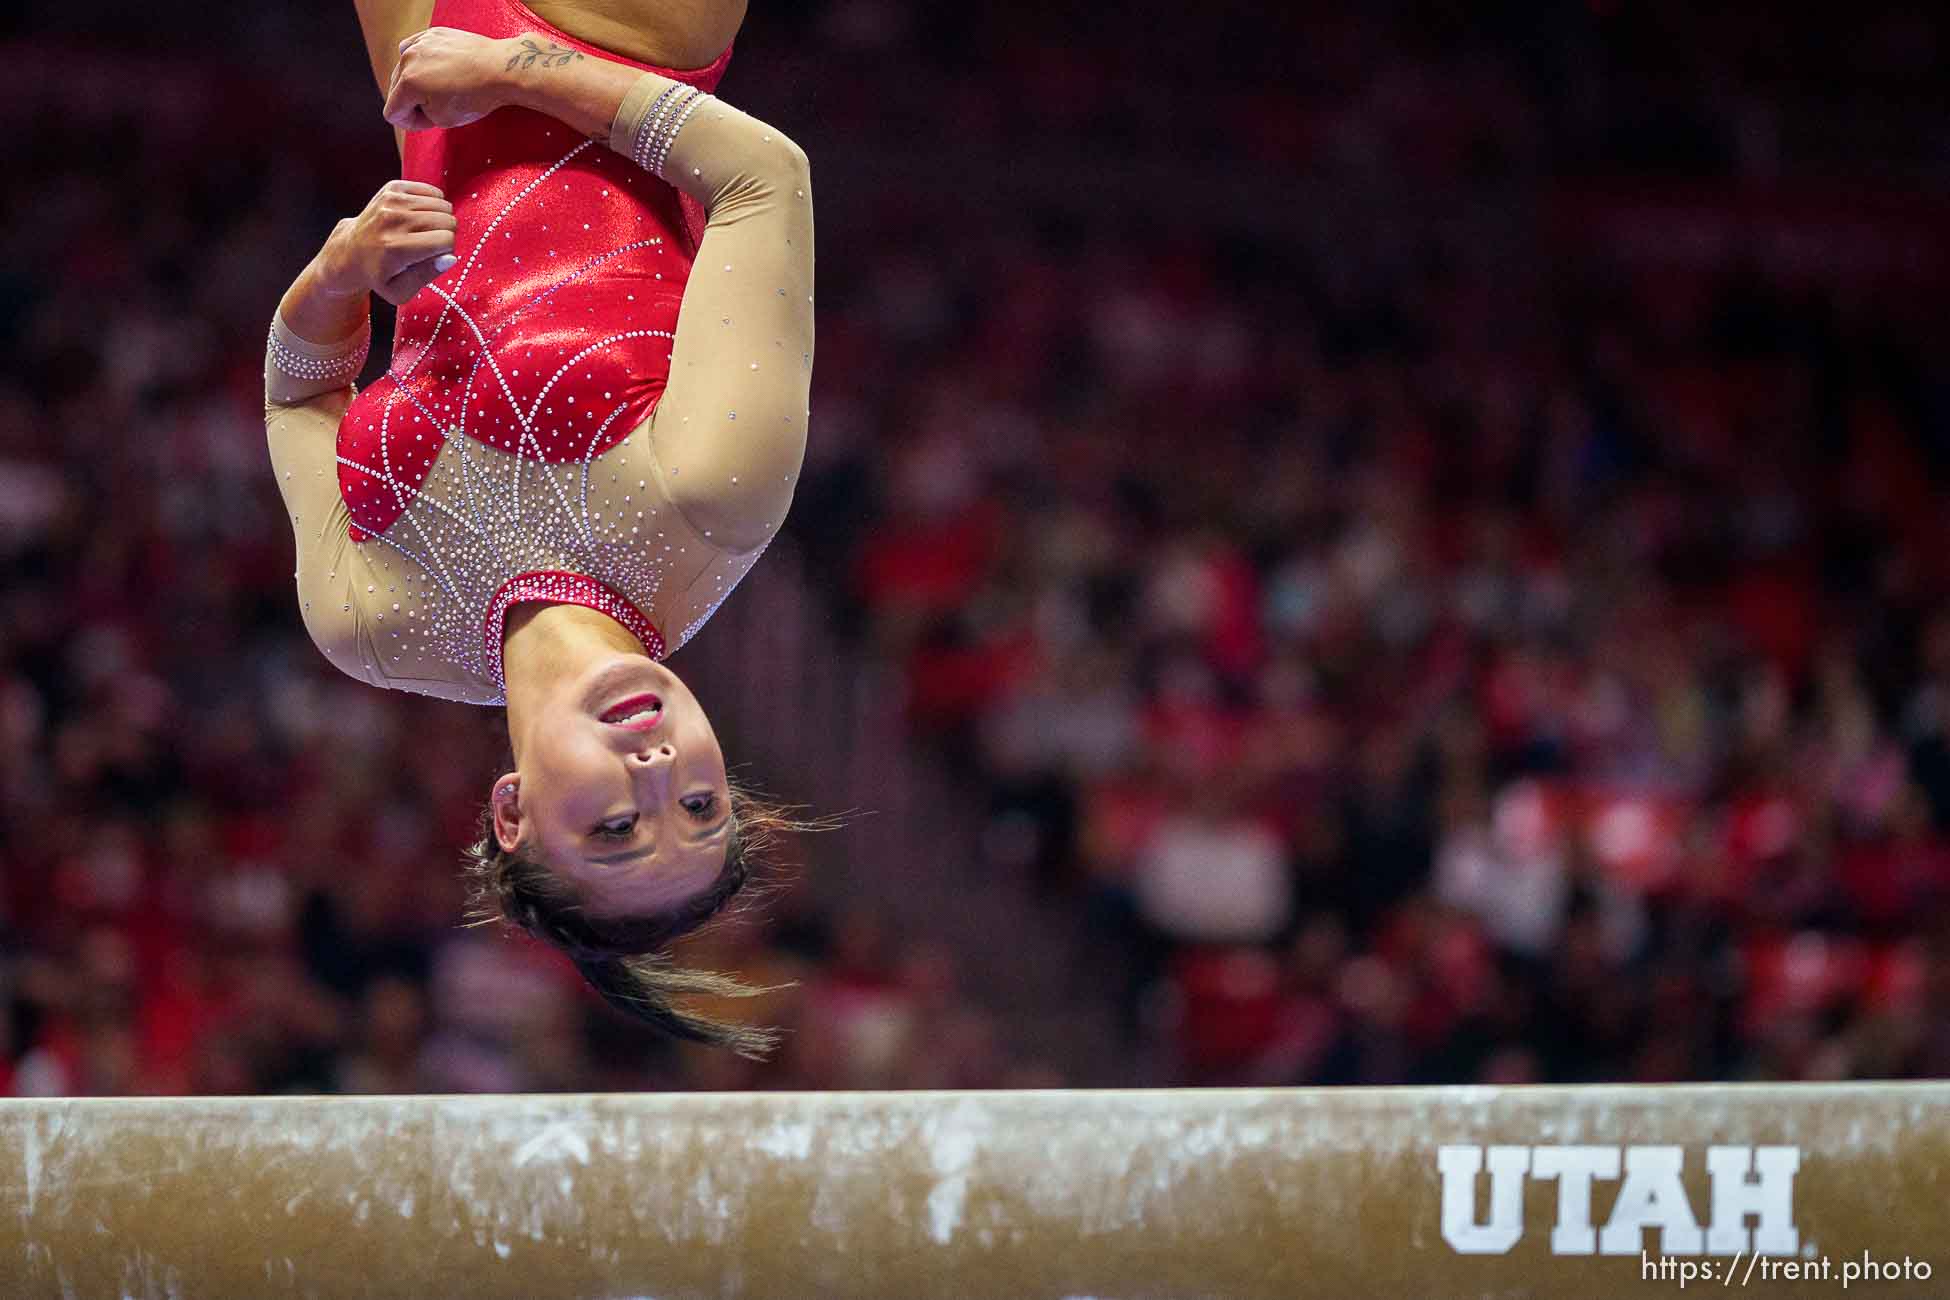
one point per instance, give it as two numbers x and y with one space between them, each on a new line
505 803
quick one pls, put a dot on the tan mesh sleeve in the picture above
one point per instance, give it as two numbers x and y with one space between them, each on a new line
729 433
301 431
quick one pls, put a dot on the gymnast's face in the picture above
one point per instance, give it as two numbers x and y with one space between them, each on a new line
620 787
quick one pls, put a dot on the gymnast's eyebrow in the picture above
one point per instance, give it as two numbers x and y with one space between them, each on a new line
624 855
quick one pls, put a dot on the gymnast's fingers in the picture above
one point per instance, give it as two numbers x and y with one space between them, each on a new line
402 209
393 108
418 207
404 108
404 112
414 278
393 80
403 251
423 213
409 214
399 60
419 189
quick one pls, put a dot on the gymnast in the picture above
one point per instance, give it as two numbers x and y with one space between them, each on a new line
561 474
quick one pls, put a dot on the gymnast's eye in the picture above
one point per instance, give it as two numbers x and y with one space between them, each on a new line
617 828
700 806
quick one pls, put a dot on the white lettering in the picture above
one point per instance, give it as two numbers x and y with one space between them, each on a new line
1652 1197
1748 1184
1459 1166
1574 1168
1769 1198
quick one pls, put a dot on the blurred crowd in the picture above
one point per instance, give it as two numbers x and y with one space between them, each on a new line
1426 536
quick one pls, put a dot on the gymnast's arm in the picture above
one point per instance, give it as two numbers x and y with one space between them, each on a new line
733 416
318 344
729 432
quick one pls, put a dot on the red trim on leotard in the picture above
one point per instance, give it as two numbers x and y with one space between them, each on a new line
559 587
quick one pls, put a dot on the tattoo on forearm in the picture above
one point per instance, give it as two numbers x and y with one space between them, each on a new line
550 56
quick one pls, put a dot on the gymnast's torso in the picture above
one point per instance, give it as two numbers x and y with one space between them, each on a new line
507 453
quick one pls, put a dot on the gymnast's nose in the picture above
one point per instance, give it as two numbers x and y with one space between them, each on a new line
652 771
661 755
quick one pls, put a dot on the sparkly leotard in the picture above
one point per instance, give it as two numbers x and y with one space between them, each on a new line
553 426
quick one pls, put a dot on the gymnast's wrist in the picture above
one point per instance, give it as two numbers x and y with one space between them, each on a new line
501 75
542 75
320 318
334 273
649 118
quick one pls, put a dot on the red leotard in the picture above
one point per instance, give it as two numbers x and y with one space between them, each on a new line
552 427
521 186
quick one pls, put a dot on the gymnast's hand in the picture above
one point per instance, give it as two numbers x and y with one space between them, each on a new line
403 239
447 77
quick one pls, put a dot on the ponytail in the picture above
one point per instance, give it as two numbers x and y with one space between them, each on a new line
645 987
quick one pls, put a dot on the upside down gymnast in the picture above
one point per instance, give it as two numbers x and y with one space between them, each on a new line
590 429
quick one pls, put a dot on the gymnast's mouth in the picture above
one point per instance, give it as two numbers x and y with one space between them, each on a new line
638 713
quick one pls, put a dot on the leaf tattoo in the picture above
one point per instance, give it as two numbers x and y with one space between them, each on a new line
554 56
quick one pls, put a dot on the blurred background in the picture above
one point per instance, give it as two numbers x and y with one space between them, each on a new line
1377 544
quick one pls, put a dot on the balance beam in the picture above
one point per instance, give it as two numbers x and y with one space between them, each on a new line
1392 1192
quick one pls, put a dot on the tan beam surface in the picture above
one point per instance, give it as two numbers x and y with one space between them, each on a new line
1335 1193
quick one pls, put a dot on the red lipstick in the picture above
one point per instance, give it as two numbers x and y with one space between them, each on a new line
649 706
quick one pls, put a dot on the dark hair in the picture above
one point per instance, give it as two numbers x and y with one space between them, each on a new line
621 957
